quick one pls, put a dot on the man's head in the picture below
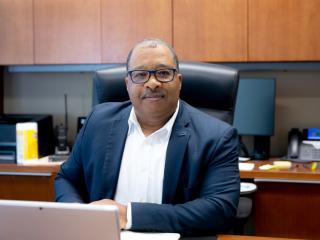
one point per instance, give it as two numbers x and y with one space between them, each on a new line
153 90
152 43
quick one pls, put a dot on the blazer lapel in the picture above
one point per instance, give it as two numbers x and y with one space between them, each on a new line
114 150
175 155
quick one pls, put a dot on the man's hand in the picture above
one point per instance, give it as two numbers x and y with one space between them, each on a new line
122 210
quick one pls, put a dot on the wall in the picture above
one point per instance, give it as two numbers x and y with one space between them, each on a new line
297 102
44 93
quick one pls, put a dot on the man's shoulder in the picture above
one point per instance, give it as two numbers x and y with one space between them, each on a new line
199 117
203 126
111 109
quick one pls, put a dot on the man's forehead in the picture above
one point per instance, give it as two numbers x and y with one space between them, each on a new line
159 56
152 66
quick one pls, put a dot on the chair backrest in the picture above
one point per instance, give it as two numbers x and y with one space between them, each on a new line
209 87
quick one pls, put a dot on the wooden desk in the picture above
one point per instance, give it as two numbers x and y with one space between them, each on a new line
21 182
287 202
298 172
234 237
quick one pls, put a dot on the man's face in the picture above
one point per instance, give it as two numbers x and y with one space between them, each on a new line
153 98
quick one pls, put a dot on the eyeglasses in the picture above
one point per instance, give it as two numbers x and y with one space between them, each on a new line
143 76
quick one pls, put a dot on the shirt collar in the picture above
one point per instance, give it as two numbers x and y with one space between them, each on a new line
166 129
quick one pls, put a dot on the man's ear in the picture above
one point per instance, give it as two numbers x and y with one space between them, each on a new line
126 80
179 75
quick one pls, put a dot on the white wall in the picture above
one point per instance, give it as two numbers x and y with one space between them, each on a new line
297 102
44 93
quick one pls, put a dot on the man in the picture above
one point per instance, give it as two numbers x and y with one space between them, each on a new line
167 166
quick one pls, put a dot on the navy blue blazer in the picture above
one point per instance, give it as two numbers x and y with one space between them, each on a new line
201 178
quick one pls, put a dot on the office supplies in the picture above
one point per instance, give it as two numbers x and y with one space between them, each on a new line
254 113
61 132
276 165
282 164
266 167
30 220
8 140
243 159
27 142
57 158
304 146
128 235
314 166
247 187
246 166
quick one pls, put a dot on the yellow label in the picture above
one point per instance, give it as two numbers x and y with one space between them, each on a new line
29 142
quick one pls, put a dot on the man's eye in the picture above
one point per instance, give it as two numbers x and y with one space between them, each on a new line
140 74
163 73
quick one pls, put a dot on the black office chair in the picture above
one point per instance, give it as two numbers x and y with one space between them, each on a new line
211 88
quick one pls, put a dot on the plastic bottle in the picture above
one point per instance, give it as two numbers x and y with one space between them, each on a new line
27 142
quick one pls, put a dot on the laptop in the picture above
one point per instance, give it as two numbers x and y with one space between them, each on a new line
31 220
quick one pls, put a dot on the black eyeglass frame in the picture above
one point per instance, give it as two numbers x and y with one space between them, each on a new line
150 72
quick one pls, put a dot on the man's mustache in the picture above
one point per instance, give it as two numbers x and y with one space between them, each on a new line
153 93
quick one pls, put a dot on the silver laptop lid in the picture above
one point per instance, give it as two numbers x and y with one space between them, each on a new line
31 220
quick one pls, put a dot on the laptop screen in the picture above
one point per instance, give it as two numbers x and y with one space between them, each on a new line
30 220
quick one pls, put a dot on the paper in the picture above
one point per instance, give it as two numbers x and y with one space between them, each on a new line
282 164
128 235
42 162
246 166
266 167
247 187
243 159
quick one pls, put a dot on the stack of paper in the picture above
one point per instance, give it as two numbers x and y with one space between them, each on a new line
246 166
128 235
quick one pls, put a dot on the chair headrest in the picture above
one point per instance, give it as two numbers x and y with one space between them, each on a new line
209 87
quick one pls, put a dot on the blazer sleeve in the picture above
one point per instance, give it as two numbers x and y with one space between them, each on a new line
216 205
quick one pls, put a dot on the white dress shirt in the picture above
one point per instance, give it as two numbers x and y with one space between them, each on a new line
142 166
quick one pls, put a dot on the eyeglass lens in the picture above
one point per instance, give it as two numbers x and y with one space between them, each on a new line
162 75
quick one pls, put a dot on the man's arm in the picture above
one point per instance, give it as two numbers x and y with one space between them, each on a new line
69 185
216 205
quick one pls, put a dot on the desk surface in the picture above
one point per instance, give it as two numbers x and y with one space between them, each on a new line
234 237
42 168
24 187
298 172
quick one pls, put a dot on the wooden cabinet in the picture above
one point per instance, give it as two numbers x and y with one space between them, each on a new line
27 187
286 202
67 31
126 22
103 31
16 28
19 182
284 30
210 30
287 209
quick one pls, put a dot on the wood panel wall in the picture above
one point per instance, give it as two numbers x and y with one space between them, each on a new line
16 30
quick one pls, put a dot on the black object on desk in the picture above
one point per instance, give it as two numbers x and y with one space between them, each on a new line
8 135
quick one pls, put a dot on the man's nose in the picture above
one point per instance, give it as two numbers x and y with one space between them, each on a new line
153 83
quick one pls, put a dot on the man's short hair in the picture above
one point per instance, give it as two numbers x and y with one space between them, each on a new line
153 43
